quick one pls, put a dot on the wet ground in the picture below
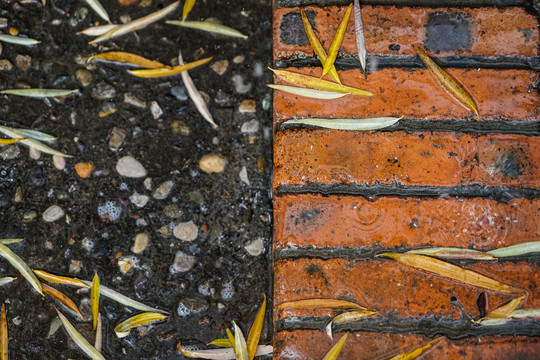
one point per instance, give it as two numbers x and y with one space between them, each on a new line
229 210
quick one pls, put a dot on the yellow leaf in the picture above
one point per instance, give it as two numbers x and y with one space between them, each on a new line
240 347
123 329
333 353
129 58
320 304
347 318
161 72
226 343
316 83
61 298
57 279
336 42
226 353
317 47
305 92
3 334
230 336
448 82
21 266
255 331
516 314
81 342
454 272
188 5
416 352
453 253
505 310
10 141
94 294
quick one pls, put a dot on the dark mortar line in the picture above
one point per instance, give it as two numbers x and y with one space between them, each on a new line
528 128
427 326
412 3
414 62
501 194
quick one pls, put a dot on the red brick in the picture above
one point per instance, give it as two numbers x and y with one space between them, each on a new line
310 344
492 32
436 158
499 94
387 287
352 221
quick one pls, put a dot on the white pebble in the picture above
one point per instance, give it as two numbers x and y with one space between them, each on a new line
250 127
255 248
227 292
244 176
182 263
212 164
163 190
186 231
59 162
129 167
156 110
34 153
141 242
53 213
139 200
109 211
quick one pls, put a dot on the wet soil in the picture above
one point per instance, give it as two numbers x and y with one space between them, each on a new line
226 282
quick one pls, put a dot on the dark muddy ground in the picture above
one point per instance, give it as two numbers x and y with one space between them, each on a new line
226 282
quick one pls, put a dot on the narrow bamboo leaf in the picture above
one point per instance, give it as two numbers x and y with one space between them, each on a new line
3 334
99 334
240 347
320 304
448 82
99 9
316 83
255 331
11 241
195 95
57 279
417 352
94 294
333 353
21 266
347 318
310 93
124 300
336 42
209 26
454 272
226 343
220 354
359 32
516 314
38 93
10 141
55 325
317 46
162 72
188 5
18 40
37 135
230 336
453 253
98 30
129 58
517 250
506 309
61 298
17 133
137 24
6 280
347 124
81 342
123 329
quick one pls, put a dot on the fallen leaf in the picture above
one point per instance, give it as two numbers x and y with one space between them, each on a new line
81 342
347 318
18 40
129 58
61 298
230 336
99 9
255 331
15 133
57 279
359 32
448 82
209 26
34 134
220 354
99 334
188 5
333 353
516 250
336 42
453 253
320 304
240 347
10 141
38 93
6 280
55 325
21 266
347 124
3 334
417 352
162 72
506 309
11 241
226 343
98 30
123 329
516 314
94 294
310 93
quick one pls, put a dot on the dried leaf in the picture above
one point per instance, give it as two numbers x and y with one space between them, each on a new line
18 40
21 266
506 309
38 93
347 124
516 314
255 331
98 30
320 304
37 135
81 342
195 95
317 47
6 280
516 250
347 318
336 42
188 5
55 325
220 354
129 58
333 353
99 9
94 294
10 141
209 26
310 93
240 347
123 329
11 241
15 133
99 334
57 279
3 334
453 253
230 336
162 72
359 32
137 24
61 298
417 352
448 82
454 272
226 343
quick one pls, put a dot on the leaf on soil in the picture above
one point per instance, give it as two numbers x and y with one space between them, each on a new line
98 30
316 83
226 343
162 72
454 272
99 9
516 250
61 298
317 47
347 318
453 253
11 241
94 294
55 325
410 355
320 304
81 342
38 93
516 314
37 135
6 280
18 40
336 42
255 331
3 334
333 353
359 32
123 329
310 93
129 58
57 279
16 133
21 266
347 124
209 26
230 336
448 82
220 354
188 5
240 347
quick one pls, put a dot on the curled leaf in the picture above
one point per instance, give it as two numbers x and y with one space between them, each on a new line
347 318
336 42
333 353
359 32
57 279
61 298
38 93
240 347
21 266
220 354
410 355
516 250
123 329
310 93
129 58
157 73
81 342
347 124
3 334
320 304
255 331
94 294
188 5
18 40
453 253
209 26
99 9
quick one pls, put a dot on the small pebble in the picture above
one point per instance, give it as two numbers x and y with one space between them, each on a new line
239 85
155 109
84 77
244 176
191 304
255 248
129 167
141 242
116 138
131 99
172 211
179 93
220 66
227 292
247 106
103 91
29 215
180 127
182 263
107 109
53 213
147 183
34 153
23 62
186 231
250 127
239 59
84 169
163 190
59 162
139 200
126 263
75 267
212 163
5 65
10 152
18 195
109 212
